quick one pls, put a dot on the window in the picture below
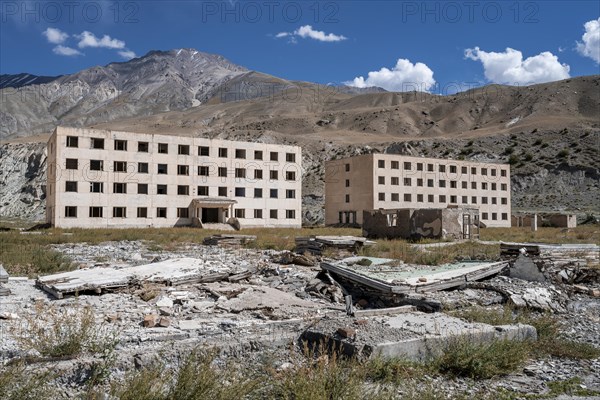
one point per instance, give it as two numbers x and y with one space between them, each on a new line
474 171
240 213
290 157
419 198
119 187
347 167
203 170
473 185
502 172
395 181
222 191
464 184
95 212
258 155
503 186
222 152
290 214
381 180
240 153
96 165
240 192
442 168
290 175
203 151
258 214
96 187
142 188
183 170
419 182
503 201
71 212
273 175
348 182
203 191
419 166
240 172
442 198
97 143
71 163
442 183
494 186
494 200
161 189
493 171
381 163
381 196
70 186
484 185
143 147
407 166
347 198
120 166
453 199
290 194
258 193
395 165
258 174
161 169
143 168
273 193
473 199
407 197
494 216
163 148
161 212
183 149
120 145
119 212
429 167
484 200
274 156
273 214
183 212
183 190
222 171
72 141
484 215
395 197
430 198
453 169
142 212
465 199
453 184
429 182
504 216
483 171
407 181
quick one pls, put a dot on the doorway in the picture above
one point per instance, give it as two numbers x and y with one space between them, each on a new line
210 215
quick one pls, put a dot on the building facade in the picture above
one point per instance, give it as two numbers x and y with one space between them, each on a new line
390 181
100 178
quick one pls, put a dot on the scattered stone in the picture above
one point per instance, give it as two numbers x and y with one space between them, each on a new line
164 302
346 332
8 315
164 322
166 311
112 318
150 321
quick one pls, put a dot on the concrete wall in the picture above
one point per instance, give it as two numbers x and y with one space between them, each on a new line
562 220
551 220
59 198
397 182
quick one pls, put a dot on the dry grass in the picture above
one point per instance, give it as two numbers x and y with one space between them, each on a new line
581 234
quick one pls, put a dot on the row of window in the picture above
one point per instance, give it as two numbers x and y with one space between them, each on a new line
184 190
453 169
183 170
161 212
395 181
420 198
182 149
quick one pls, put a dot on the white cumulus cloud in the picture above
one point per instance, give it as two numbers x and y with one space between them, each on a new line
55 36
88 39
66 51
509 67
591 41
404 76
127 54
307 31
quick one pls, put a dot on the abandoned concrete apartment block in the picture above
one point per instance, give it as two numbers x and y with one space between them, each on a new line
100 178
391 182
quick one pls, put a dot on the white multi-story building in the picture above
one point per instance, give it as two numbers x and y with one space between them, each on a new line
100 178
391 181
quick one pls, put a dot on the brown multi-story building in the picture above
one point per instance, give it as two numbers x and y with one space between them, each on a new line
391 181
100 178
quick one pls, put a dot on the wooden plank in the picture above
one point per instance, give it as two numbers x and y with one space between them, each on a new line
384 311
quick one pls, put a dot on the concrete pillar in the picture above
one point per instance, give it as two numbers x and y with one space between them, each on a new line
534 222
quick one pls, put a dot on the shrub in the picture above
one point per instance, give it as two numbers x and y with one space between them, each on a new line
513 159
537 142
563 153
18 382
528 157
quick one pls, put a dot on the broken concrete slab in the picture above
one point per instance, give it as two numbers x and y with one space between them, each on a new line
316 244
524 268
384 311
228 239
395 277
3 274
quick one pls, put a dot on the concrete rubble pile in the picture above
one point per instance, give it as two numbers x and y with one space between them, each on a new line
228 239
317 244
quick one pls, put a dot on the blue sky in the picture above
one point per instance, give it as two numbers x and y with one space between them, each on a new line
429 45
